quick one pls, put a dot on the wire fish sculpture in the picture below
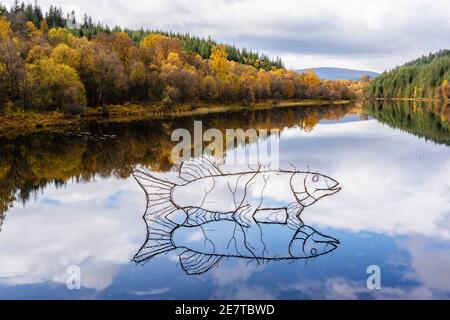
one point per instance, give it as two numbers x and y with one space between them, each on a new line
249 215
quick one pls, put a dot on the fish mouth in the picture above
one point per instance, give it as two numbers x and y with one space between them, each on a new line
335 188
334 242
332 245
328 240
321 193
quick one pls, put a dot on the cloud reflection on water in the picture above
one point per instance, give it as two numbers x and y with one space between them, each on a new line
394 185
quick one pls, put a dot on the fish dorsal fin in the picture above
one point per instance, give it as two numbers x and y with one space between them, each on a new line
197 263
198 168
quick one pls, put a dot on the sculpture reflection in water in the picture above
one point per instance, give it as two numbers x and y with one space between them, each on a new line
209 215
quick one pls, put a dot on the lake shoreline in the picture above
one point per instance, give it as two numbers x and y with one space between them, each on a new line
429 100
25 122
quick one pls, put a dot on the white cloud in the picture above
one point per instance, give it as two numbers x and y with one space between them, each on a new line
343 289
152 292
387 187
429 263
234 274
39 242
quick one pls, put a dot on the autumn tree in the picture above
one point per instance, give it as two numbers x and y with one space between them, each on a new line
283 88
39 52
247 88
58 35
265 84
312 82
102 74
180 76
44 26
123 47
11 68
209 89
171 95
219 63
145 82
5 29
229 89
50 86
66 55
159 47
311 79
443 92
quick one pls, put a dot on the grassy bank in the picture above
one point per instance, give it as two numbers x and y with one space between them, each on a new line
21 122
409 99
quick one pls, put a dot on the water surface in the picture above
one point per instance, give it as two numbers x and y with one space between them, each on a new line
69 199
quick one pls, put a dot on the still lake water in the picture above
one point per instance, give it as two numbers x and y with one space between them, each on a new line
69 199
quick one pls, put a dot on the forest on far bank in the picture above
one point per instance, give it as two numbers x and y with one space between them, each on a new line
45 67
424 78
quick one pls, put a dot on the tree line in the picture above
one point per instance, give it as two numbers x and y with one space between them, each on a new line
426 77
46 67
56 18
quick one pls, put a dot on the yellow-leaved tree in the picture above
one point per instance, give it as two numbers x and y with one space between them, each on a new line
51 86
66 55
38 52
44 26
311 79
446 90
219 62
160 47
5 29
265 83
59 35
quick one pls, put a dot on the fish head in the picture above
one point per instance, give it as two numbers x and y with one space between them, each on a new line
309 243
310 187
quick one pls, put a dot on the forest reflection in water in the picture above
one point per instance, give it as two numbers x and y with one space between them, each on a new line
424 119
392 211
29 163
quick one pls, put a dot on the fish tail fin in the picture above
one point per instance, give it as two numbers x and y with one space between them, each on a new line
157 215
293 216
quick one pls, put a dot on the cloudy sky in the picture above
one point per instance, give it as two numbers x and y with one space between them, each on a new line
373 35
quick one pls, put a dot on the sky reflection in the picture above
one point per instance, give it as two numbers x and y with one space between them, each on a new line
393 212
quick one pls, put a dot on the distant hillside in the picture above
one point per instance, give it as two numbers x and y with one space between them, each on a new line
340 74
425 77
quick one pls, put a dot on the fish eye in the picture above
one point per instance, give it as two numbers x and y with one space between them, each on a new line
314 251
316 178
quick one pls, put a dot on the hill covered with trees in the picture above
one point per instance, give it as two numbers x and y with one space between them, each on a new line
426 78
55 18
45 66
